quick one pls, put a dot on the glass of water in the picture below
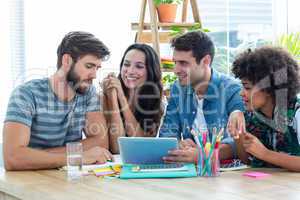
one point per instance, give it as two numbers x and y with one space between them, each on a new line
74 161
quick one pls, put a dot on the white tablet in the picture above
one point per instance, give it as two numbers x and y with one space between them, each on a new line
145 150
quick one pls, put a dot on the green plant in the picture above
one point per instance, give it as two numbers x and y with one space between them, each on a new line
177 30
291 42
158 2
168 79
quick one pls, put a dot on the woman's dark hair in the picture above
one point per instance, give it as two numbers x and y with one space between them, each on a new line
273 69
79 44
148 110
196 41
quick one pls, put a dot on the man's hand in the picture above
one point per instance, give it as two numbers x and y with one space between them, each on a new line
96 155
187 152
187 143
188 155
253 146
236 124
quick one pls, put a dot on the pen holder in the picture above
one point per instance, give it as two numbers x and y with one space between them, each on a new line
208 163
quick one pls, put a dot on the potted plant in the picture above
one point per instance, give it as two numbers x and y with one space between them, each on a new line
167 80
167 9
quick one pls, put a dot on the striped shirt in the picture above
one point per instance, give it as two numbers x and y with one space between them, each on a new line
53 122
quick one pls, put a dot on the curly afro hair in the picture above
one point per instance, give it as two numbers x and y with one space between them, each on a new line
272 69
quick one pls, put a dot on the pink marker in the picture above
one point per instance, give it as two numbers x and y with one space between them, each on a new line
204 137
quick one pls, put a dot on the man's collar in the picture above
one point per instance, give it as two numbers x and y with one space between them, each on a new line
211 92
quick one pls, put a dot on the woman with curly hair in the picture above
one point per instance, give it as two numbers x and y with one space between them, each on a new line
269 132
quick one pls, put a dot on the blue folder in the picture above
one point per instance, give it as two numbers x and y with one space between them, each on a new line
128 172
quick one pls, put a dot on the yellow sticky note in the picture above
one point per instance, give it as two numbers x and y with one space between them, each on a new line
105 169
117 168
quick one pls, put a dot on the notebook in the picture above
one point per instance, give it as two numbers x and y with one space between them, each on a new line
142 158
117 162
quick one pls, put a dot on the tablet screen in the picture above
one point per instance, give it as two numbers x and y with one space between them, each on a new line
142 150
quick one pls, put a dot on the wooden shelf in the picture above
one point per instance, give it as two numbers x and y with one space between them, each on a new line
164 37
164 26
156 32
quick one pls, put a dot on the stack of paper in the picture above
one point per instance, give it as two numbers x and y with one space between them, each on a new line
117 161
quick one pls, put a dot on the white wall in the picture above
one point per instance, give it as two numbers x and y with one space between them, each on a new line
293 15
46 22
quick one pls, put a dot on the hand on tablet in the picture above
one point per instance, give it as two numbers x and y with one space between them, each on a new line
187 155
186 144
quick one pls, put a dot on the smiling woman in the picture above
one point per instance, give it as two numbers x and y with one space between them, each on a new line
136 76
132 101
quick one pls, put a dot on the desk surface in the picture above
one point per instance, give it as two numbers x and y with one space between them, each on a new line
52 184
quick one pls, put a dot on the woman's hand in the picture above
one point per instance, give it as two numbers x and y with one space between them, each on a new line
114 82
109 92
111 82
111 85
253 146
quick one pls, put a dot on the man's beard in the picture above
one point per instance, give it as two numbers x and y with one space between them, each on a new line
74 80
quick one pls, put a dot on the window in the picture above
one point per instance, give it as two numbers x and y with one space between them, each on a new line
12 54
236 25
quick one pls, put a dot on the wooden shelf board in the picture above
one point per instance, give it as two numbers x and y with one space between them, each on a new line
147 26
164 37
